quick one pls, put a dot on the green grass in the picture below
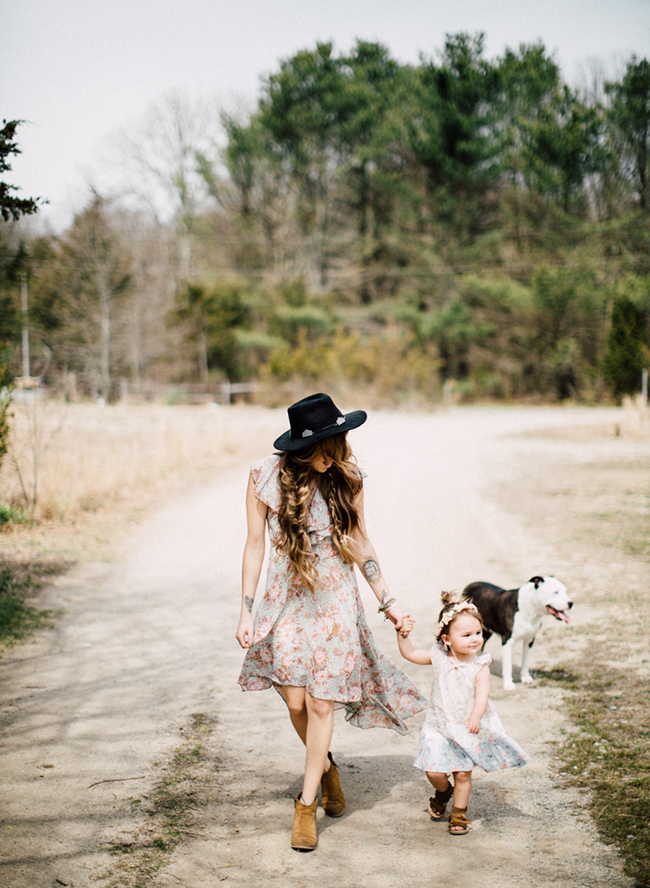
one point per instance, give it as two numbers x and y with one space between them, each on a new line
12 515
609 755
19 581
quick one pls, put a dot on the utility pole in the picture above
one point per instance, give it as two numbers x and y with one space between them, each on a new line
23 299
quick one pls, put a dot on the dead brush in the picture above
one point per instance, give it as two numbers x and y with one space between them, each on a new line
65 460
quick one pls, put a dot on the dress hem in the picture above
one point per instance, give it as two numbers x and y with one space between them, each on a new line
365 713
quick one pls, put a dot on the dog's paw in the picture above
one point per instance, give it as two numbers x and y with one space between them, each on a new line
508 685
527 679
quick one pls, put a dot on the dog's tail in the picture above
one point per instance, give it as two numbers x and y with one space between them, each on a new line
469 591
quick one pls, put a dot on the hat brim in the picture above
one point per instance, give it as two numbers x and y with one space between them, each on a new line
352 421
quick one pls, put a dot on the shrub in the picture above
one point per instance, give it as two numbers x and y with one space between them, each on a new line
626 349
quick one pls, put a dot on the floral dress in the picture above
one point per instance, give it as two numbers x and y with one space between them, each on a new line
445 743
320 640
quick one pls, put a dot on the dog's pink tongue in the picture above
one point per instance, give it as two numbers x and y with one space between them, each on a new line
559 615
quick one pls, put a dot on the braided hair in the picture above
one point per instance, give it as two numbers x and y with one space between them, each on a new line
339 486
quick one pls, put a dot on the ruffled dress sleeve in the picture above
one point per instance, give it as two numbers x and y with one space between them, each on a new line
482 660
265 481
438 655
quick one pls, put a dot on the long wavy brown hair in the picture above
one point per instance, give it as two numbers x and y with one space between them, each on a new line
339 485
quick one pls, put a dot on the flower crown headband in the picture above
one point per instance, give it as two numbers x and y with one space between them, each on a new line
453 611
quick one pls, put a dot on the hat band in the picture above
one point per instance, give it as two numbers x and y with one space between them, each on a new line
308 432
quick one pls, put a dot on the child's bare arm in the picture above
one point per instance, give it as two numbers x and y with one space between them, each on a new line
481 697
406 648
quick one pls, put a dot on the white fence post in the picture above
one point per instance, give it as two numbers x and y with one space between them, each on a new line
644 387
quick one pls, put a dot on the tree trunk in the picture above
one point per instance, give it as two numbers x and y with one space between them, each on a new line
105 324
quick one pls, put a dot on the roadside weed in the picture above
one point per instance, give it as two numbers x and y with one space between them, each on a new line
19 581
609 755
170 810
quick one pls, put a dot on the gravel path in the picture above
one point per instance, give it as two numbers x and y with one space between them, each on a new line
92 709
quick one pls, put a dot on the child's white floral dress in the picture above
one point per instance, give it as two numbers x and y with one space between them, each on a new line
445 743
320 640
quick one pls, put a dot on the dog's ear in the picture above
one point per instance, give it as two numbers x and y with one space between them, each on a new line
536 581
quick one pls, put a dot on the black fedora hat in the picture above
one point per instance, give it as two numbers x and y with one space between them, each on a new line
314 418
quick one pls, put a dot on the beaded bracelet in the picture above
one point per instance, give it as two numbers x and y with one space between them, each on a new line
386 607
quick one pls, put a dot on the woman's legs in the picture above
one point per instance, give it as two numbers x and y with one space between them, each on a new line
313 720
295 700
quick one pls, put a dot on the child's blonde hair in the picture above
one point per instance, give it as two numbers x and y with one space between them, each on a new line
451 609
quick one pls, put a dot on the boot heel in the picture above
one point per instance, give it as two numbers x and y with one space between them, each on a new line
331 792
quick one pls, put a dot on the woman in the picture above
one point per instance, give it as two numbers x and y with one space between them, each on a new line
310 639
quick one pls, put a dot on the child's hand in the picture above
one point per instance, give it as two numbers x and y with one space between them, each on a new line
407 626
473 724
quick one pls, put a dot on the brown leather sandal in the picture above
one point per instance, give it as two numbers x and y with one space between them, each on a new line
458 822
438 802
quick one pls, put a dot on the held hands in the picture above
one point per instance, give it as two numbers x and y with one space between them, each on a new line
395 615
244 634
406 625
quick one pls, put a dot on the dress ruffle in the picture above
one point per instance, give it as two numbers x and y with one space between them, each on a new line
265 481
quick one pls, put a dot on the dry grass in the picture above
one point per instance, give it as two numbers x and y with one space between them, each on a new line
77 474
594 511
609 754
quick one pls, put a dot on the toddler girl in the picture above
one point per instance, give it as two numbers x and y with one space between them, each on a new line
462 728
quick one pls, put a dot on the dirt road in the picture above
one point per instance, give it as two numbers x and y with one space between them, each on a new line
93 709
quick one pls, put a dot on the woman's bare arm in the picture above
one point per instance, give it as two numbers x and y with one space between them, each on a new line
369 564
251 563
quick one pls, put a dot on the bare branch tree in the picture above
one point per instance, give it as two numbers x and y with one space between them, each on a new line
158 163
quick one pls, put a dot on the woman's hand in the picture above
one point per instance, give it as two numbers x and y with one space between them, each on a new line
395 615
244 634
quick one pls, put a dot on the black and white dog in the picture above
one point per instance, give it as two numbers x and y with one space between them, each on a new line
516 615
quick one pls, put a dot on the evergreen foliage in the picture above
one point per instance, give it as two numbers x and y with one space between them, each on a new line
465 224
12 207
627 347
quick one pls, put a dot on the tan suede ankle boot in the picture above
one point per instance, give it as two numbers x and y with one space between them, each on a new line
331 793
305 835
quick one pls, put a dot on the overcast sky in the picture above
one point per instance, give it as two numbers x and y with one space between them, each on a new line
78 70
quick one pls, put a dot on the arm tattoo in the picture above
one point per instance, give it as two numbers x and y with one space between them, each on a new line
371 570
248 603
